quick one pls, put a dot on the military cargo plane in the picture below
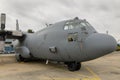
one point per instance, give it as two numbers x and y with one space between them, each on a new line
71 41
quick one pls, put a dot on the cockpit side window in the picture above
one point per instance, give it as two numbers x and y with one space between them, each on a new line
71 27
83 24
66 27
88 24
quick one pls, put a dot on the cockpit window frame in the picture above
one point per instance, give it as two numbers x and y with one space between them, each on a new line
70 25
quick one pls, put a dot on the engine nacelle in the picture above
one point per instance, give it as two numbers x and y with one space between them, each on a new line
23 51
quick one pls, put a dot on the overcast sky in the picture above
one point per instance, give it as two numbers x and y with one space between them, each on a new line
33 14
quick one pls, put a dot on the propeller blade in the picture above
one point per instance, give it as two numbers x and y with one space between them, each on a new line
3 21
17 25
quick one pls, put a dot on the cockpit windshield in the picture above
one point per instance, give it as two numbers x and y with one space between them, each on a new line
76 25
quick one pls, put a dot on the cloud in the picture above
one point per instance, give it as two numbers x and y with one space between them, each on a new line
102 14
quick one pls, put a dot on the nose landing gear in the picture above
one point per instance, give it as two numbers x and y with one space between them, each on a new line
73 66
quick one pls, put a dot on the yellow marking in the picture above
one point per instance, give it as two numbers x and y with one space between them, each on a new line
21 62
90 79
82 75
79 74
95 75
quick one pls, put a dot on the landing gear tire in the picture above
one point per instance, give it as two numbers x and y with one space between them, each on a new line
19 58
74 66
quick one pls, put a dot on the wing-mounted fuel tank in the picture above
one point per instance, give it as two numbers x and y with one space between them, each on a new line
23 52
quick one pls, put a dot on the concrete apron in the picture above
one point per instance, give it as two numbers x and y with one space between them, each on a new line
7 58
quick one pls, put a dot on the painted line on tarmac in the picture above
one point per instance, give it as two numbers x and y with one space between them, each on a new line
93 73
75 73
82 77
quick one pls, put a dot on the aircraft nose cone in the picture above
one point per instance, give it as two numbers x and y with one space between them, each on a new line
98 45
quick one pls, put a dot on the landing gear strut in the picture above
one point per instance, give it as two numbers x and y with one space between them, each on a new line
73 66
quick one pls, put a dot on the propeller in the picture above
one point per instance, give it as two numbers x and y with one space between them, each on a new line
3 21
2 32
17 34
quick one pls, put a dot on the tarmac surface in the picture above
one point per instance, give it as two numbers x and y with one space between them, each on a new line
104 68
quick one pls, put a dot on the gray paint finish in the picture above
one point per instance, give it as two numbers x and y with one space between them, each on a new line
71 41
87 43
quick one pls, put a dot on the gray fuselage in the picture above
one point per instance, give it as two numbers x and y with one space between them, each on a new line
72 40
